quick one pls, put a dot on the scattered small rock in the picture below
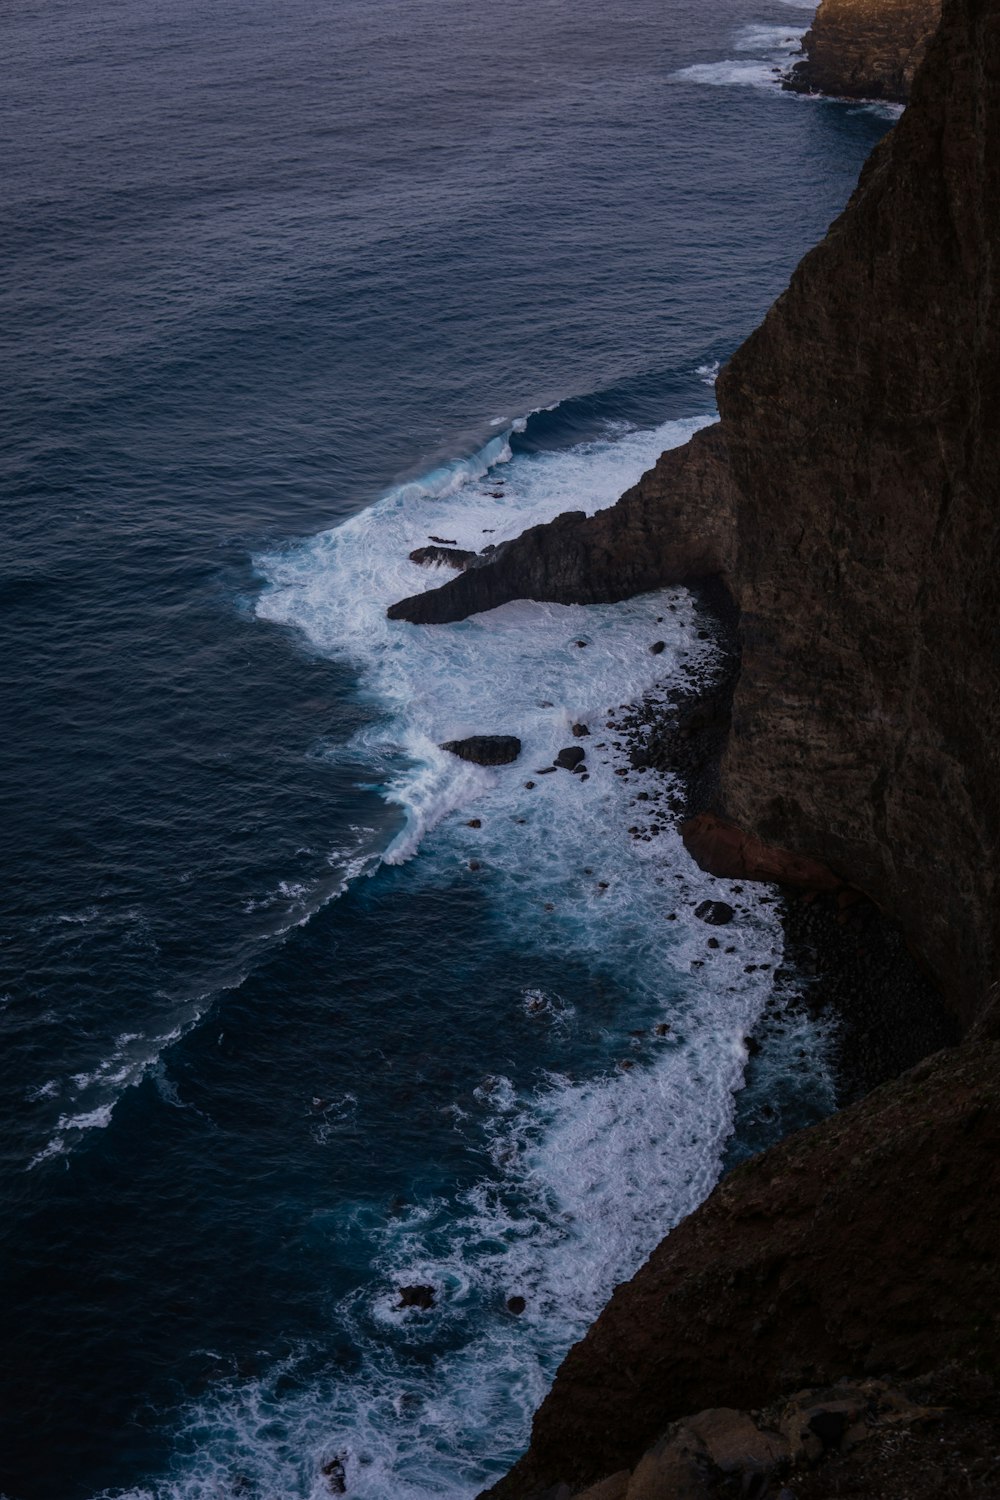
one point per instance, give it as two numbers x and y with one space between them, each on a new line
657 647
580 730
529 786
416 1296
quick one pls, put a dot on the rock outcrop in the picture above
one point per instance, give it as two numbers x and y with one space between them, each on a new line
674 526
847 499
865 49
867 1244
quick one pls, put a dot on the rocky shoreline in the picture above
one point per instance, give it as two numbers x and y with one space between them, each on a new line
844 956
846 501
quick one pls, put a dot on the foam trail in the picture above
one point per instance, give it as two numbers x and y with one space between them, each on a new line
582 1174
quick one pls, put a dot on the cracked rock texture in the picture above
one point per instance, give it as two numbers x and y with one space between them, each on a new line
865 49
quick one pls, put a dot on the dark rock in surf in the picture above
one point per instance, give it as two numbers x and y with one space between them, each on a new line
416 1296
451 557
569 757
715 913
486 749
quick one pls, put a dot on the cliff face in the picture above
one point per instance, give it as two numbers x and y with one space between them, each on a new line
865 49
848 499
861 421
867 1245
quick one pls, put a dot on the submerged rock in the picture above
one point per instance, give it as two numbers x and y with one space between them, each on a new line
416 1296
486 749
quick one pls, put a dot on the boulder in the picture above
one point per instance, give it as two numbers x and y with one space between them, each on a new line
570 757
715 913
486 749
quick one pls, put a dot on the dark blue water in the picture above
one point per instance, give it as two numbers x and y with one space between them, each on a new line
263 266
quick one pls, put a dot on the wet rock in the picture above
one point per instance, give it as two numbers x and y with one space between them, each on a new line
529 786
451 557
336 1478
443 541
486 749
516 1305
658 647
715 913
580 730
418 1295
474 823
569 757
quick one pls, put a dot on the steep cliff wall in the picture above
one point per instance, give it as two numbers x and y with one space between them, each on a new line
849 499
861 421
865 1246
865 49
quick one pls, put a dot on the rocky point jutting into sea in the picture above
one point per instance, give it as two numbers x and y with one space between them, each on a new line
865 49
847 501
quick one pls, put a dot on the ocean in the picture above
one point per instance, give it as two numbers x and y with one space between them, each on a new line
297 1009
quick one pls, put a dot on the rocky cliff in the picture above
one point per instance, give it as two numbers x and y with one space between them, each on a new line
865 49
865 1246
848 500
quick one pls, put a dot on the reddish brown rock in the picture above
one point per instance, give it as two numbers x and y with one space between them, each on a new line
723 849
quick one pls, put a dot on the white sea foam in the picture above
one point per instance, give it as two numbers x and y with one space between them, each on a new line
774 46
582 1174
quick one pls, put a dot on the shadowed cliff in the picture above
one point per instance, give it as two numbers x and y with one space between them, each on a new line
848 500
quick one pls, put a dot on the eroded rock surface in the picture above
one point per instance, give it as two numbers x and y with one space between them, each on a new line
868 1243
865 49
674 526
848 500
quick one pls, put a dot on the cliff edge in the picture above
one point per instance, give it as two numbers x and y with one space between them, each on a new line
847 499
865 49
